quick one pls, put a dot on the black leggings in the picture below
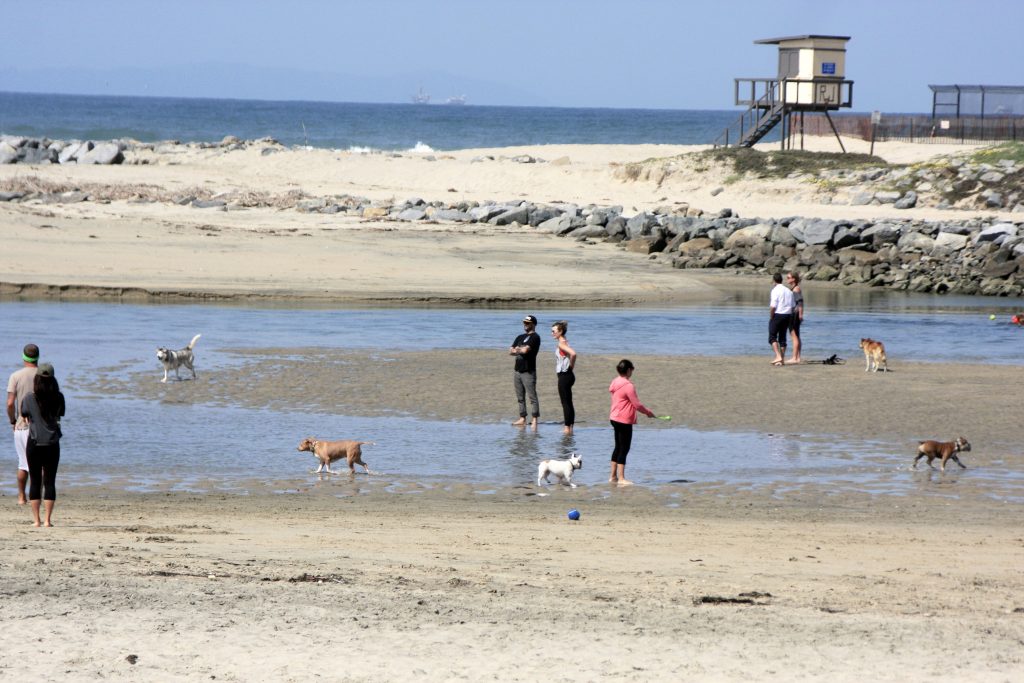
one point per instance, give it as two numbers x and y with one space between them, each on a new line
42 470
565 381
623 440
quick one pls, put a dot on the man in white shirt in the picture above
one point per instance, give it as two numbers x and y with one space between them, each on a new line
781 308
18 387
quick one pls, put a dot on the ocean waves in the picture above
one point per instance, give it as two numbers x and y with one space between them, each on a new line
357 127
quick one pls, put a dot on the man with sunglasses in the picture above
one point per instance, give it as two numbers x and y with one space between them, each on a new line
525 348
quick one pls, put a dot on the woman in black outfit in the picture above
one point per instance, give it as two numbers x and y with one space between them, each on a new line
565 360
43 407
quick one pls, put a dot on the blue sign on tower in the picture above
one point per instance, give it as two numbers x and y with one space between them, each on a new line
828 68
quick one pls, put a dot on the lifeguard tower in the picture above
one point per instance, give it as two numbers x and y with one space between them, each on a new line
812 78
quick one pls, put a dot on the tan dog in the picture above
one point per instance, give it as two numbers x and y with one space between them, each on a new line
946 450
329 451
874 354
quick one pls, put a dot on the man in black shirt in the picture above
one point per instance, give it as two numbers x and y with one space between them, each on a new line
525 348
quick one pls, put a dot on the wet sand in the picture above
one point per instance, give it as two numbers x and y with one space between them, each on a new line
914 401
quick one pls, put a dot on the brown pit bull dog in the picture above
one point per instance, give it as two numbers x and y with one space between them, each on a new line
946 450
329 451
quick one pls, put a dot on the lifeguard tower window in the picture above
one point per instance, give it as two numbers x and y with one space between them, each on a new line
977 101
789 63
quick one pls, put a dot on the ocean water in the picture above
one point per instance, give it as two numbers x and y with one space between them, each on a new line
173 445
340 125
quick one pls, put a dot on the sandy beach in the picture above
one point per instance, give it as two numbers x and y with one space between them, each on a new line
378 578
347 583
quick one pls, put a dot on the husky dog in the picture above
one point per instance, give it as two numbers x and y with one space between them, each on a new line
173 360
562 469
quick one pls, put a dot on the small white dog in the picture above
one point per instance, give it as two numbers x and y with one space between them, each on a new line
562 469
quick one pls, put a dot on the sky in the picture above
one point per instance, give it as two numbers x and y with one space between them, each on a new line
658 54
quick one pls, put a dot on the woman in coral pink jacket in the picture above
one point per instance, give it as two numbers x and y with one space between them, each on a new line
625 405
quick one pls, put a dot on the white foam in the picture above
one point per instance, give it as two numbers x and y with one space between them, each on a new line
422 148
355 149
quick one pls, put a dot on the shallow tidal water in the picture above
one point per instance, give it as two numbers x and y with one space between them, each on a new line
140 445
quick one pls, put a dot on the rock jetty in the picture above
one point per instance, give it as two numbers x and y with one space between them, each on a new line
973 256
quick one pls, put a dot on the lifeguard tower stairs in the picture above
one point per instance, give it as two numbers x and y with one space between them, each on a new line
811 79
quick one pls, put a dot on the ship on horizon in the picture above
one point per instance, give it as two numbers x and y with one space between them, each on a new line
456 99
421 97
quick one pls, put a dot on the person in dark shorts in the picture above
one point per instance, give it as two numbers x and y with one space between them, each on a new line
525 348
43 407
797 317
625 405
780 312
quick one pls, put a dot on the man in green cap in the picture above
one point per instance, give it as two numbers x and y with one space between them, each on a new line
18 387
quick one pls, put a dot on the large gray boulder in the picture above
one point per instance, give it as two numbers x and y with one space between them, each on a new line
71 151
541 214
520 215
486 212
640 225
8 154
995 232
749 237
588 231
915 240
819 231
881 233
38 155
796 228
950 241
450 215
105 153
558 225
846 236
616 226
782 236
412 214
907 201
696 246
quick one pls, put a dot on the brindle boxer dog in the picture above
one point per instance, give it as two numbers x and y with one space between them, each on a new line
945 450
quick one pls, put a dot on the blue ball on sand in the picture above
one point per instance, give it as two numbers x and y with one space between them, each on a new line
574 514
